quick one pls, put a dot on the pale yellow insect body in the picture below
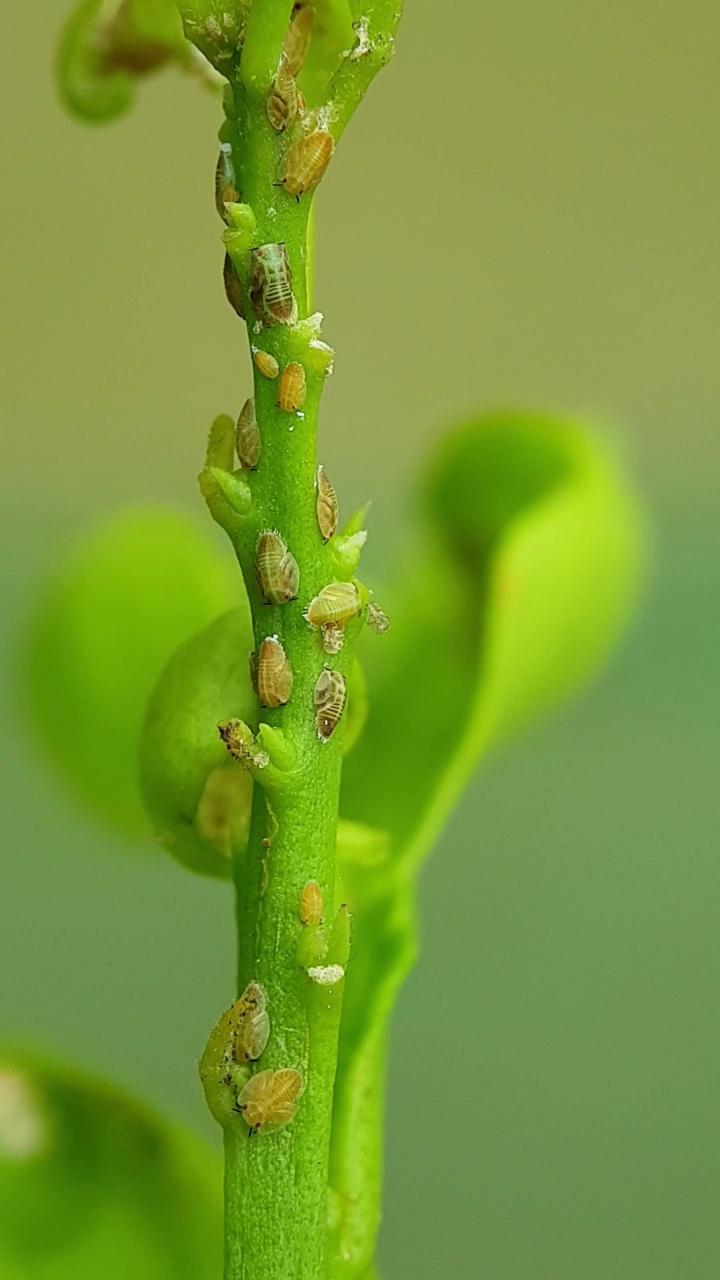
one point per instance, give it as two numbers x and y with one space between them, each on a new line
311 904
292 388
253 1024
226 191
330 697
269 1099
327 505
266 364
274 674
277 569
304 164
247 437
271 291
297 40
282 103
338 602
233 288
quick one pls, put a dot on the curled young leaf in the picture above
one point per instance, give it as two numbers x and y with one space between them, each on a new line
198 797
92 1183
104 49
517 595
114 611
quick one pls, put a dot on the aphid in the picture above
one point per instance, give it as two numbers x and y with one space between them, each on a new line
247 437
233 288
274 674
297 40
226 191
338 602
377 619
269 1099
327 505
311 903
266 364
271 291
333 637
304 163
282 103
277 570
292 388
253 1024
330 697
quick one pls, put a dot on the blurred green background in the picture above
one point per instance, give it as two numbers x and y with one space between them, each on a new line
525 211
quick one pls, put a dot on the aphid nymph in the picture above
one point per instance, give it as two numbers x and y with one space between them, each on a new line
330 697
266 364
277 569
327 505
337 602
226 191
292 388
247 437
274 674
297 40
271 292
269 1099
311 904
304 164
282 103
233 288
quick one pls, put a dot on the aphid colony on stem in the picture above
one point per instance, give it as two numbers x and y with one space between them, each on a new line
266 1100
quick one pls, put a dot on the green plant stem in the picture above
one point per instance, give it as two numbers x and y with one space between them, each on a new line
277 1184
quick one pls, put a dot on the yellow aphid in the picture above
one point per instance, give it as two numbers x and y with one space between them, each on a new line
304 163
333 637
377 619
274 674
311 903
297 40
247 437
330 697
226 191
271 292
282 103
338 602
292 388
266 364
277 570
253 1024
269 1099
233 288
327 505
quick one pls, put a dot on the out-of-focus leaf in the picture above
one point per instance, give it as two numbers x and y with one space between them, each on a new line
198 797
93 1184
103 51
332 35
513 599
114 612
